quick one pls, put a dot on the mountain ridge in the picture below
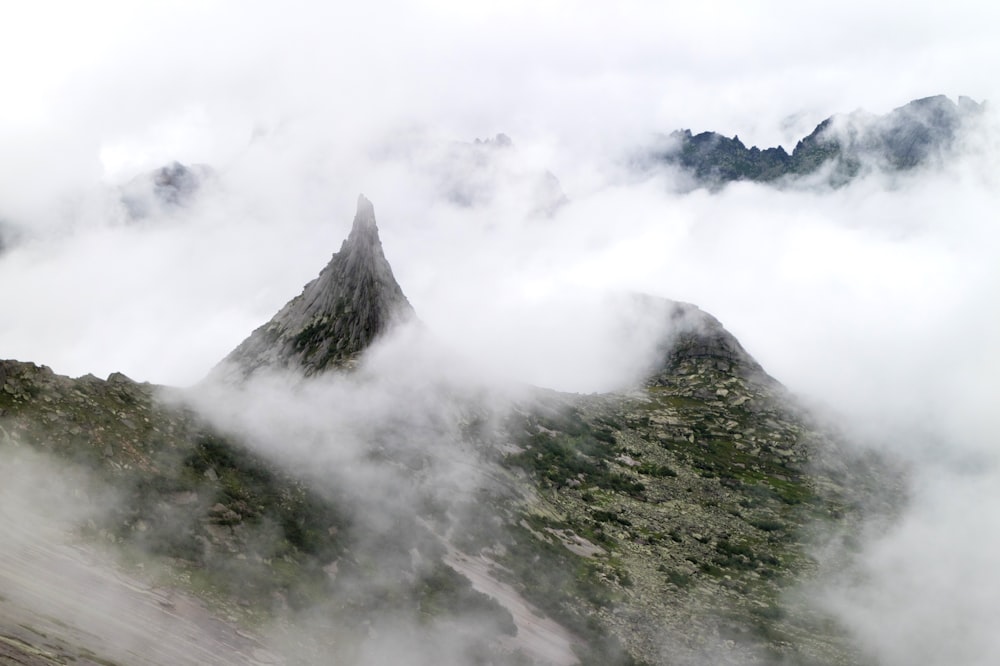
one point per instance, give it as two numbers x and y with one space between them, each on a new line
648 524
846 144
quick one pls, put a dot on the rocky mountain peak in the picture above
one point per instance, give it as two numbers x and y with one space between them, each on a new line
166 190
364 231
337 316
698 344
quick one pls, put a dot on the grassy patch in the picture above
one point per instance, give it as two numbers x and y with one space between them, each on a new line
563 450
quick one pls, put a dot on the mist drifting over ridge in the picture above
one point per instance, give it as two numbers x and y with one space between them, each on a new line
875 300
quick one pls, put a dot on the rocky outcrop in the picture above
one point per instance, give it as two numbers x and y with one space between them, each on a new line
337 316
903 139
165 190
696 336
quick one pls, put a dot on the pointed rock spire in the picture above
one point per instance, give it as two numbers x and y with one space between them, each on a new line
354 300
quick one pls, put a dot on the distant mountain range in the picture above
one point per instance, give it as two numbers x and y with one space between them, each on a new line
841 147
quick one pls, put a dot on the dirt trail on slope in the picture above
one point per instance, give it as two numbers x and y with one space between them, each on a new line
537 636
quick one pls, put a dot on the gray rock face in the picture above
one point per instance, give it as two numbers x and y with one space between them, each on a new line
700 336
694 341
354 300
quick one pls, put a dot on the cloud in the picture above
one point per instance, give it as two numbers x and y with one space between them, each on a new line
923 590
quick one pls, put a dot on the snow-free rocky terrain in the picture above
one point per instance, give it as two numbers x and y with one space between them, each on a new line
840 149
305 505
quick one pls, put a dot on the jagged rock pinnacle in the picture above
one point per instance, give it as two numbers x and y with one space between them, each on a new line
364 223
337 316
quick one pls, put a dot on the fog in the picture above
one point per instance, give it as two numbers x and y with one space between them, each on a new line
80 602
400 447
874 301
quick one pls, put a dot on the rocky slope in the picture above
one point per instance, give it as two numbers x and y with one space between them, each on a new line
841 147
663 525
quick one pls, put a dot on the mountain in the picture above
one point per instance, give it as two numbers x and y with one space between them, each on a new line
336 317
366 516
843 146
168 189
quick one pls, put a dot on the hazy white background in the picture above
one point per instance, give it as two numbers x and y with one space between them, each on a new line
878 300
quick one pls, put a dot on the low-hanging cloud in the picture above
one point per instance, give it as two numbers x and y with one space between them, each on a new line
73 594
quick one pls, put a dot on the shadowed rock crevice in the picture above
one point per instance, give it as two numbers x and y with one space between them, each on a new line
337 316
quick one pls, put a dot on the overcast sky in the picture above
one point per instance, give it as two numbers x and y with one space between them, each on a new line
878 300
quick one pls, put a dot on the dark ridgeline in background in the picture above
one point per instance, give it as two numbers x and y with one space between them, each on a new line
848 145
